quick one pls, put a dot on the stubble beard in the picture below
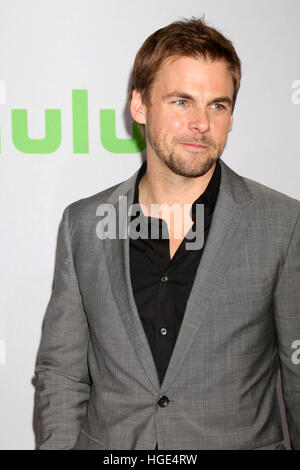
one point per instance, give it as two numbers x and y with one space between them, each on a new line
198 163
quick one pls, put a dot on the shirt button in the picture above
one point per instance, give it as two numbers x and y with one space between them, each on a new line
164 279
163 331
163 401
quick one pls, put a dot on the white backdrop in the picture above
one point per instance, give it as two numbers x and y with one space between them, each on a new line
49 48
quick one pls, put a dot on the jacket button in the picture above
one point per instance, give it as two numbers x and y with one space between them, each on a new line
163 402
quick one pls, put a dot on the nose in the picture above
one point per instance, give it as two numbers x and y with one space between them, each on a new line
199 121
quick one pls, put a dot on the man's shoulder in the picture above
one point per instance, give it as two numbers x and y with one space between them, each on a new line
263 204
260 195
86 203
86 208
266 197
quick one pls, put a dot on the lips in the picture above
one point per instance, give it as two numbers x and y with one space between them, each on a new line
195 146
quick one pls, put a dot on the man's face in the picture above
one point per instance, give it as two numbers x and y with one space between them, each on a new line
189 116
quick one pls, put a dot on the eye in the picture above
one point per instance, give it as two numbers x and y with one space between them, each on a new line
220 106
181 102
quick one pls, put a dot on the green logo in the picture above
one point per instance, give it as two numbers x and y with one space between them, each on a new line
53 130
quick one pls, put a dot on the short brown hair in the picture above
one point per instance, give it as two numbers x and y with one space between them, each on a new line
188 37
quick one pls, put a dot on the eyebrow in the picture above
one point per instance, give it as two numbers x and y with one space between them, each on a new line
177 94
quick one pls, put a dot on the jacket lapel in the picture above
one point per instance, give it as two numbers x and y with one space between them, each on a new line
118 263
227 227
228 223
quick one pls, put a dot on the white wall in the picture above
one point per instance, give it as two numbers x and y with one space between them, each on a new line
48 48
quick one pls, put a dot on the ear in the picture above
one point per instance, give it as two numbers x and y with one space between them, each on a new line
137 108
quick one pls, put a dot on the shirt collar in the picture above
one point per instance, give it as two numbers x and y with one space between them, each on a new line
209 196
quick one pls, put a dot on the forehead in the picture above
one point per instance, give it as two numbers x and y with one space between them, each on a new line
197 74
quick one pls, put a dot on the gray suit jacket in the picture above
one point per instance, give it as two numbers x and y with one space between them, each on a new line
97 385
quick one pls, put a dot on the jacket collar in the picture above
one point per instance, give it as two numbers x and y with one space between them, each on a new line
227 227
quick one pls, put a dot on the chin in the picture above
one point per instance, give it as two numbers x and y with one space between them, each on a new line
190 171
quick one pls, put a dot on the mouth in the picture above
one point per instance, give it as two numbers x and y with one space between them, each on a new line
195 146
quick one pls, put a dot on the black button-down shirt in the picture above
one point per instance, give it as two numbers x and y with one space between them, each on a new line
161 285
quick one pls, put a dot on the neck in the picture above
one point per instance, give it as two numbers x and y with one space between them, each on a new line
160 185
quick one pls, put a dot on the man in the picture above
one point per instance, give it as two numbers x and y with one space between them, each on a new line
151 342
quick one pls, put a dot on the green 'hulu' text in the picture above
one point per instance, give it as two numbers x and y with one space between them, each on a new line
53 130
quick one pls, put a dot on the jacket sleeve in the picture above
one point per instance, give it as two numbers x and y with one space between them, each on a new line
287 320
62 376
